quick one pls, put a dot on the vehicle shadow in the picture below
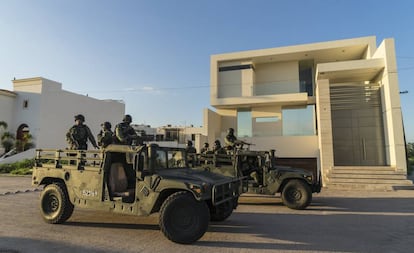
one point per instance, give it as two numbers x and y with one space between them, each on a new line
329 224
112 225
18 244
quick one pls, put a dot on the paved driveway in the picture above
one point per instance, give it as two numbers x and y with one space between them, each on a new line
335 222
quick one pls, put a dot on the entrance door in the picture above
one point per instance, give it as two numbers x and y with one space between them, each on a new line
357 125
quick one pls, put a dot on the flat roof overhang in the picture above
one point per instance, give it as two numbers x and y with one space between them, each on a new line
279 99
350 71
340 50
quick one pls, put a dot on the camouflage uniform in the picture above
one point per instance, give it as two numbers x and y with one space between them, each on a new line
217 149
124 133
105 136
78 135
230 139
190 149
205 149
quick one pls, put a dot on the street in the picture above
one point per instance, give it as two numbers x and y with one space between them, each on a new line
335 222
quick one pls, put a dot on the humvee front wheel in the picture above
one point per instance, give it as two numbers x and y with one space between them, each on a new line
55 205
296 194
183 219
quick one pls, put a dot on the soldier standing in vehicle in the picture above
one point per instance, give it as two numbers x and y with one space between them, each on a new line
191 153
218 149
190 148
231 139
205 149
124 133
105 136
78 135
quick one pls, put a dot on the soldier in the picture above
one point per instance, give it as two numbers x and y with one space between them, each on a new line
218 149
124 133
205 149
78 135
231 139
105 136
190 149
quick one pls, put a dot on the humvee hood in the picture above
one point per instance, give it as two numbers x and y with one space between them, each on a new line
189 175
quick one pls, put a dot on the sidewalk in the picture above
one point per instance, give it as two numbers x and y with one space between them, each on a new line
10 184
13 184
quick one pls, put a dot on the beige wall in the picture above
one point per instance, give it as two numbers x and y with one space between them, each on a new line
7 104
50 112
391 107
276 78
352 60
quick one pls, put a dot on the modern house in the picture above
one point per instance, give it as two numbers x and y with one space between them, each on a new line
333 106
42 108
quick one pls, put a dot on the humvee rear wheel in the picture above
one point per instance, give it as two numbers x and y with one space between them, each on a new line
296 194
222 211
55 205
183 219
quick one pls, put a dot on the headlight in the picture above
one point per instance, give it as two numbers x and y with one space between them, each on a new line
308 177
198 189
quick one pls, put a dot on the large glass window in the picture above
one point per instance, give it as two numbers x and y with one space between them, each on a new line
244 123
298 121
305 76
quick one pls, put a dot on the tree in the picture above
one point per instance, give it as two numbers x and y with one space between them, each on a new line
3 125
6 138
7 141
410 150
24 143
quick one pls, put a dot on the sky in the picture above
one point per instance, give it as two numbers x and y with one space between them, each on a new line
155 54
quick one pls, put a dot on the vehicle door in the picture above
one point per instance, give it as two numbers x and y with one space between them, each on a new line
87 179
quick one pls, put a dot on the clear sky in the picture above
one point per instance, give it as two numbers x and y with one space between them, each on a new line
155 55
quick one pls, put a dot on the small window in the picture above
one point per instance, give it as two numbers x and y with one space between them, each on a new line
25 103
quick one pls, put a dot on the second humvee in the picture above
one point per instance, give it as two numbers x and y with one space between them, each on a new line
261 175
135 180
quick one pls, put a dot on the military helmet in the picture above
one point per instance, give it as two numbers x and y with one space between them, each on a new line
230 131
189 143
107 125
217 143
80 117
127 118
206 144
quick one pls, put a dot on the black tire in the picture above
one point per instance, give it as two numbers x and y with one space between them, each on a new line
183 219
222 211
296 194
55 205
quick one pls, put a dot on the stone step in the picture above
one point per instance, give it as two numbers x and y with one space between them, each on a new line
368 176
370 181
385 168
369 187
368 172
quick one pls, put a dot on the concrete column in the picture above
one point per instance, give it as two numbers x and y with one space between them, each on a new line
323 111
391 109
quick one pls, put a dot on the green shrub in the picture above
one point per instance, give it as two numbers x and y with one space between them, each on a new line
22 171
26 164
410 166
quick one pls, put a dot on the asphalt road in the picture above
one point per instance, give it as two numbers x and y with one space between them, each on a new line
335 222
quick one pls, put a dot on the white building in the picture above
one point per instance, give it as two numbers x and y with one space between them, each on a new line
43 108
334 105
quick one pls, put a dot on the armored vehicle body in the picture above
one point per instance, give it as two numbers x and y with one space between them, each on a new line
135 180
261 175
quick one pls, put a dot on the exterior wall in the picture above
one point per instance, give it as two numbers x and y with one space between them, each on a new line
7 104
51 110
391 107
276 86
276 78
323 102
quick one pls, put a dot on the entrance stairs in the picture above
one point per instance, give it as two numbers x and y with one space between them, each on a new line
376 178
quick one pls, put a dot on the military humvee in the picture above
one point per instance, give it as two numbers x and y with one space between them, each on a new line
135 180
261 175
